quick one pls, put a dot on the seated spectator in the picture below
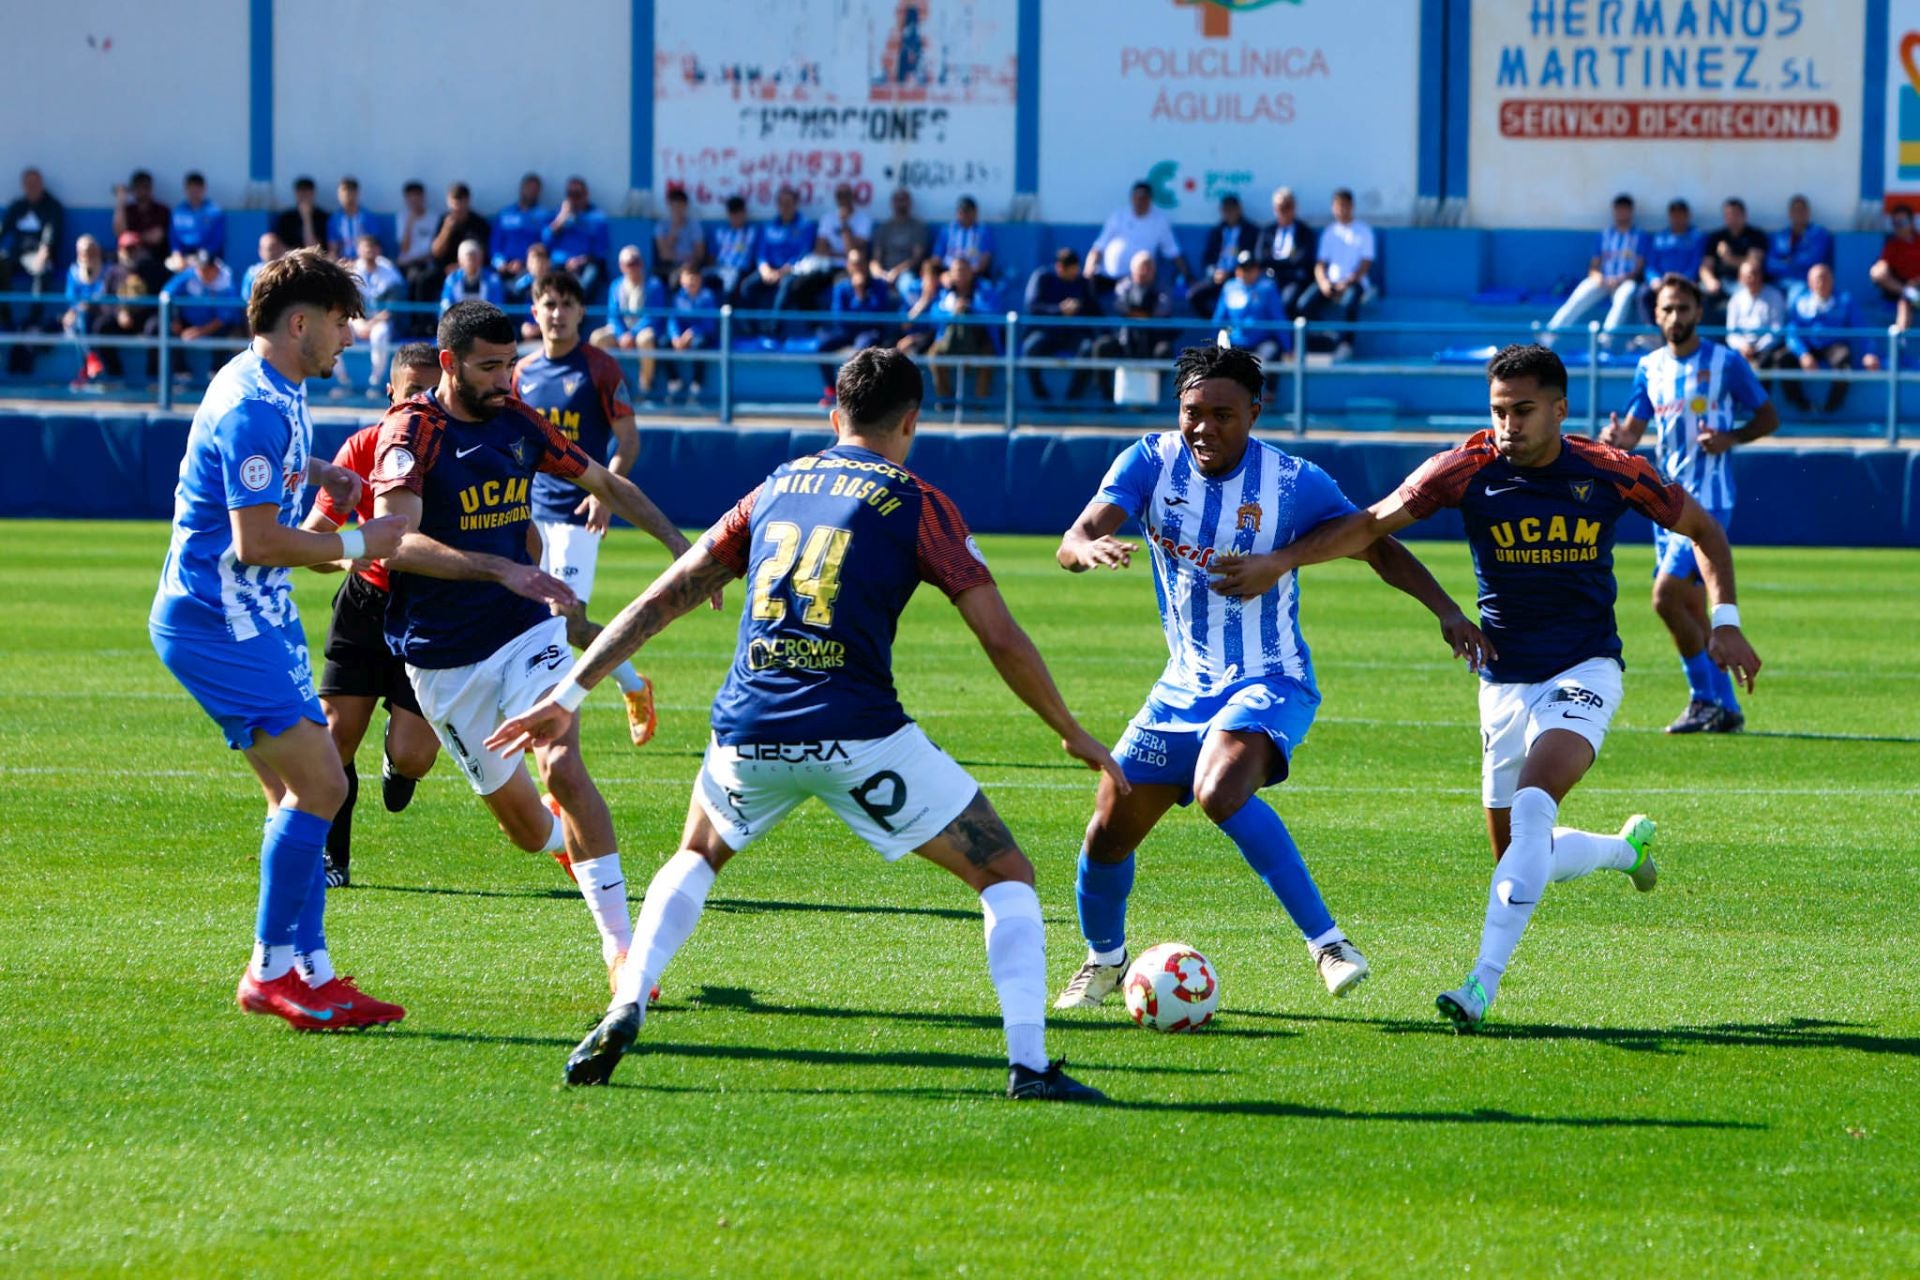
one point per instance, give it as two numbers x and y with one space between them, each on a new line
735 250
1126 232
196 223
862 305
458 225
920 294
1812 318
1060 290
205 305
965 297
849 228
134 315
348 223
86 287
30 239
689 330
967 237
135 210
416 226
472 278
778 283
679 241
380 284
539 261
1676 250
304 225
133 259
517 228
1139 297
1735 242
1340 269
1612 280
1756 314
1232 236
270 250
1288 249
635 309
1799 246
578 237
900 243
1251 312
1897 271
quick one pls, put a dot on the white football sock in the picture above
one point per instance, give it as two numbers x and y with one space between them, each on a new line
1316 945
1518 879
605 888
1579 853
628 679
556 838
1114 956
1017 960
675 899
315 966
271 962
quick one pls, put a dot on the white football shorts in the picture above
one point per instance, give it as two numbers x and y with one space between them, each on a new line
571 553
896 792
1581 699
466 704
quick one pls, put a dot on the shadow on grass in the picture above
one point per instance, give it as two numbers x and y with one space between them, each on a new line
570 895
1810 736
1795 1033
735 906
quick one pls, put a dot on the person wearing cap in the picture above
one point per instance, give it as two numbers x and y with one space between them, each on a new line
1058 291
1250 311
1232 236
517 228
196 223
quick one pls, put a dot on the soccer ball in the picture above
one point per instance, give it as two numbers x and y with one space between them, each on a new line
1171 987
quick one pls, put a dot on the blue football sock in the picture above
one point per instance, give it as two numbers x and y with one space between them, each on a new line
1700 672
310 931
290 861
1101 888
1270 851
1723 690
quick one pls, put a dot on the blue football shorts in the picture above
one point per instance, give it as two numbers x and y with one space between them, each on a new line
1673 552
263 683
1162 743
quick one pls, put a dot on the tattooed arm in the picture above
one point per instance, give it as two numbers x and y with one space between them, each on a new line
694 577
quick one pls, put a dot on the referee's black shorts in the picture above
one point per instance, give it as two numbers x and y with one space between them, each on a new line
359 664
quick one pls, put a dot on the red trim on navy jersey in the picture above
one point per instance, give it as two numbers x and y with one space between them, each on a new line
944 547
416 426
611 383
1635 479
1442 480
730 541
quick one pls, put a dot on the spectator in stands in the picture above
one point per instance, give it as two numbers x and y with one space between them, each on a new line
900 243
304 225
1675 250
1794 250
539 262
967 237
133 259
966 296
1340 269
1897 270
689 330
680 240
735 250
1061 291
516 229
920 294
458 225
133 316
778 283
578 237
86 287
414 239
31 232
862 305
636 306
848 229
1813 317
1288 249
205 305
345 227
196 223
1139 297
1232 236
1735 242
135 210
472 278
1612 280
380 284
1756 314
1128 230
1251 312
270 250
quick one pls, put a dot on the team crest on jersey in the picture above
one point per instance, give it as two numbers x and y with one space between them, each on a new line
1249 517
522 450
256 472
397 463
1582 490
570 384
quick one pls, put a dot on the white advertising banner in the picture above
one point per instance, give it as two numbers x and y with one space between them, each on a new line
1575 100
1202 99
753 95
1902 159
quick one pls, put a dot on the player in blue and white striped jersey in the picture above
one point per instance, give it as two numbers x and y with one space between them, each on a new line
1237 696
1693 392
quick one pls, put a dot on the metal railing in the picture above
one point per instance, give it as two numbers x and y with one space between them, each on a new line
736 347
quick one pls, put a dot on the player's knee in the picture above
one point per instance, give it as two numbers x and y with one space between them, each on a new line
1010 866
1102 845
321 794
413 759
565 775
1220 794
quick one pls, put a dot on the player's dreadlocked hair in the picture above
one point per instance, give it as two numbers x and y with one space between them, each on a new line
1528 360
1198 364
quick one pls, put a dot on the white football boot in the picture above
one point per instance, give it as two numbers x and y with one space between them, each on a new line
1092 984
1341 966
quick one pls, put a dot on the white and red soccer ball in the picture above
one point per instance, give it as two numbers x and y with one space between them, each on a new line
1171 987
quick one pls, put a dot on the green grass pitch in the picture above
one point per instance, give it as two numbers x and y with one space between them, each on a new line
1721 1078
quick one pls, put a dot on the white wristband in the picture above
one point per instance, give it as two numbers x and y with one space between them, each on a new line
353 544
569 693
1726 615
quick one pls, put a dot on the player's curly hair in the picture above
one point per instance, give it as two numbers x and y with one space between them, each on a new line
1528 360
1199 364
305 277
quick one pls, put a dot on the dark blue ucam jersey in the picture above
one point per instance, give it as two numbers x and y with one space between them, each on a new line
582 393
832 547
474 481
1542 542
